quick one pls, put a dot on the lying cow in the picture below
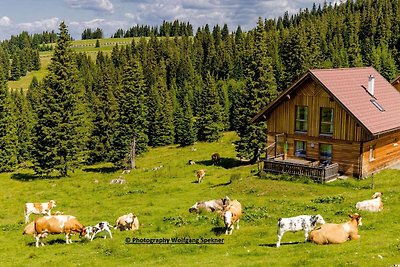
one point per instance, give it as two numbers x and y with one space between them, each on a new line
210 205
57 224
298 223
331 233
231 214
38 208
373 205
92 231
127 222
200 175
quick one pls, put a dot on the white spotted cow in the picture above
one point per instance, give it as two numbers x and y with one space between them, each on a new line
294 224
92 231
38 208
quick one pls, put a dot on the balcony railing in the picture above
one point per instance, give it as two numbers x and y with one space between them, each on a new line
320 173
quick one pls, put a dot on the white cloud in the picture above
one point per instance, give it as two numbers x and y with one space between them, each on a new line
39 25
5 21
96 5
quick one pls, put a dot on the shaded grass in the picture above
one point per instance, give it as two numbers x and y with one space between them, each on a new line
161 199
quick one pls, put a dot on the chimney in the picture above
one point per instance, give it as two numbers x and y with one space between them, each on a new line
371 84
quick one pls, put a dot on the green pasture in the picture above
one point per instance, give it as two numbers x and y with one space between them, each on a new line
161 199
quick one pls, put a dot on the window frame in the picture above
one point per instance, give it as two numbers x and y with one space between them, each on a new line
302 121
324 123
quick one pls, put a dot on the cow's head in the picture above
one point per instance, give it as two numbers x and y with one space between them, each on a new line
317 219
52 204
377 194
196 207
357 218
227 215
87 232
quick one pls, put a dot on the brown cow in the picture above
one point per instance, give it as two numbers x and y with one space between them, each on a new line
127 222
57 224
200 175
231 214
215 158
331 233
30 229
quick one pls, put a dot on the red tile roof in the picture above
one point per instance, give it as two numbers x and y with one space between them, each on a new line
349 87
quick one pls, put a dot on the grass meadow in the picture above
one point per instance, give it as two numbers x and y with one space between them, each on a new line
161 199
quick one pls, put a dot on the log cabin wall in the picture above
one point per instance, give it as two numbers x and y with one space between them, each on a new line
385 152
347 135
311 94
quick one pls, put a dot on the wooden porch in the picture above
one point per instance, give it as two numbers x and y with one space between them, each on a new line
318 172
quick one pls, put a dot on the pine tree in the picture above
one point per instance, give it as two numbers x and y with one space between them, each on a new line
132 122
24 123
60 130
161 128
260 89
210 121
15 68
104 108
184 126
8 128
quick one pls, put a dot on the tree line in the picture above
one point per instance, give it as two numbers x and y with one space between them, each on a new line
176 90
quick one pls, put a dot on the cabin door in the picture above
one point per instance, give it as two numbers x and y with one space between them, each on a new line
280 141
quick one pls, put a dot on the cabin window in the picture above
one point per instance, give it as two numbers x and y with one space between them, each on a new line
371 153
300 149
326 121
301 118
325 153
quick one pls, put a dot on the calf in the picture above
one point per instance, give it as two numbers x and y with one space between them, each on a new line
210 205
92 231
57 224
331 233
215 158
373 205
127 222
298 223
231 214
38 208
200 175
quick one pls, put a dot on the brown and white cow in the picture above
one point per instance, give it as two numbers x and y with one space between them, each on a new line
210 205
57 224
200 175
231 214
38 208
331 233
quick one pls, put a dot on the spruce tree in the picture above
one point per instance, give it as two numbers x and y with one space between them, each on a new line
259 90
60 130
184 126
210 121
8 128
132 125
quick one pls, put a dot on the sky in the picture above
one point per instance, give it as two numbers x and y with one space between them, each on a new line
36 16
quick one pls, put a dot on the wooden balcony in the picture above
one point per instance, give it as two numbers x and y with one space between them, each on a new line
319 172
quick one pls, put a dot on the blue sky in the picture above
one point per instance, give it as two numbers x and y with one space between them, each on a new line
39 15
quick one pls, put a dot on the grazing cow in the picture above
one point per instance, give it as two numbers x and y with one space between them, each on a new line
215 158
92 231
298 223
331 233
231 214
200 175
57 224
127 222
373 205
38 208
210 205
